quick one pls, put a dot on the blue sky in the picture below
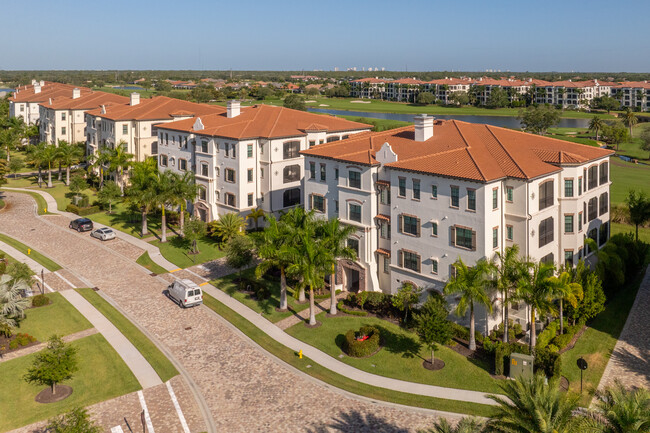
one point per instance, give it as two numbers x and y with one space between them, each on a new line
569 35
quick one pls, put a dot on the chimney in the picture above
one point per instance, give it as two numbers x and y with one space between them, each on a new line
423 127
233 109
135 98
37 88
33 82
103 109
76 93
41 83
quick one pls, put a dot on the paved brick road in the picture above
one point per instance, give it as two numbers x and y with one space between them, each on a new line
246 390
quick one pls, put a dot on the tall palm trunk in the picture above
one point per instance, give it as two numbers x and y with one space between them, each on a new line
432 359
283 290
561 317
144 222
312 312
60 173
121 173
67 175
505 316
8 155
332 293
301 295
182 224
101 177
40 176
163 226
533 331
472 331
49 176
53 388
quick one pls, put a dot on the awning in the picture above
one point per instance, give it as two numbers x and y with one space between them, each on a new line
383 252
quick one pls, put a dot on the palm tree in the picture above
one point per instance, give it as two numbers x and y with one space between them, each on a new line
35 158
311 260
506 267
165 182
255 215
471 283
185 190
465 425
68 155
272 251
596 124
296 220
142 191
536 289
566 290
629 119
335 236
12 303
101 160
49 155
619 411
531 406
228 226
12 134
118 161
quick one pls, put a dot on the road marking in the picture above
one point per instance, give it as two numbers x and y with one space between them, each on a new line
117 429
186 429
175 270
203 284
147 418
65 279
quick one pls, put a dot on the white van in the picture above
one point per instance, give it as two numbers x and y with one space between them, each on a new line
185 293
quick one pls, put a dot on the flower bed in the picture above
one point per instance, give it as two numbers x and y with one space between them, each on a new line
362 343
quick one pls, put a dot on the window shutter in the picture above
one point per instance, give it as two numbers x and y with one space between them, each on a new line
418 230
401 224
473 240
453 235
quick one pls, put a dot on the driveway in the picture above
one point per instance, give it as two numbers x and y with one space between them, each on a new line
245 389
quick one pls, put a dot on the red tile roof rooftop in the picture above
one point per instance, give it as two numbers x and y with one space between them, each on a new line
87 100
463 150
157 108
48 90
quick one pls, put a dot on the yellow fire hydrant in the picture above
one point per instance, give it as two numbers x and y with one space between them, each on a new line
45 210
300 354
29 251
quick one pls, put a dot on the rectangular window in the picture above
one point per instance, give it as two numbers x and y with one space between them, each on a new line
63 130
230 199
401 190
416 189
546 232
593 208
312 170
354 212
509 233
568 187
383 230
336 173
495 237
204 169
603 203
229 175
603 168
495 198
386 264
434 191
354 179
411 261
510 192
249 150
593 176
546 197
434 266
434 229
604 234
249 174
234 151
226 147
336 206
318 203
455 196
323 172
384 196
163 160
580 222
568 223
250 200
410 225
312 143
464 238
182 164
125 129
204 146
62 116
471 199
261 172
354 244
568 257
580 186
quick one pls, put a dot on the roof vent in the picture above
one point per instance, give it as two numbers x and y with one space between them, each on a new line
198 124
76 93
135 98
233 108
50 101
103 109
423 127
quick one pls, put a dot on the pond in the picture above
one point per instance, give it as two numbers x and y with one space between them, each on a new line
128 88
503 121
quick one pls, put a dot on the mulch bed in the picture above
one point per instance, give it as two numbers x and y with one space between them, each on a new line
4 341
574 340
46 396
438 364
462 348
317 325
564 383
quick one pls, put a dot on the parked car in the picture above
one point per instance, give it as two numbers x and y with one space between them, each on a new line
185 293
81 224
104 234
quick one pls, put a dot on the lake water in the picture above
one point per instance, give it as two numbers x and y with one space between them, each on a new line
128 88
503 121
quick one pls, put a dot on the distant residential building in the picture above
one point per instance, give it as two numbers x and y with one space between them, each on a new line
25 99
368 88
632 94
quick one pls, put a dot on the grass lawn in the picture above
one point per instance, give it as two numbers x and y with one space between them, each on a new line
644 232
401 107
8 257
152 354
59 318
309 367
176 251
102 375
38 257
632 147
626 176
401 357
598 341
265 307
145 260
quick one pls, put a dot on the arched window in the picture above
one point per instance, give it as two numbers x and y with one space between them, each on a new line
546 198
203 195
291 149
291 173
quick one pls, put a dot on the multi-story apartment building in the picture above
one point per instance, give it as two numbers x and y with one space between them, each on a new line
63 117
423 196
26 99
133 123
633 94
247 157
442 89
403 90
368 88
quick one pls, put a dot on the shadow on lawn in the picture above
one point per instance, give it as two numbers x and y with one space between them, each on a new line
357 422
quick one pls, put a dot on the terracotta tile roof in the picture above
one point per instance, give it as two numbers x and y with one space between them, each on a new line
463 150
369 80
265 121
157 108
49 90
88 100
632 84
406 81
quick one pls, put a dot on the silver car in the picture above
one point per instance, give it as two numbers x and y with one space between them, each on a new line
104 234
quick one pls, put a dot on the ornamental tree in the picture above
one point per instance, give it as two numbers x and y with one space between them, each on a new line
56 363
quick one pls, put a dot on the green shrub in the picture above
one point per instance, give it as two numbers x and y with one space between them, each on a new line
518 329
375 301
13 345
553 348
561 341
548 362
501 354
173 217
342 309
545 337
460 331
40 300
82 211
358 349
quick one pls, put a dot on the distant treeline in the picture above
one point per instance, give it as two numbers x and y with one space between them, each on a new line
86 78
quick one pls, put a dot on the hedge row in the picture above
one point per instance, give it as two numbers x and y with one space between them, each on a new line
359 349
342 309
82 211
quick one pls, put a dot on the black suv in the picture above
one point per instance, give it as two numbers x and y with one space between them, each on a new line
81 224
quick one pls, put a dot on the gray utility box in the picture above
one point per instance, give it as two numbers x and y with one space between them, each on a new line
521 365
